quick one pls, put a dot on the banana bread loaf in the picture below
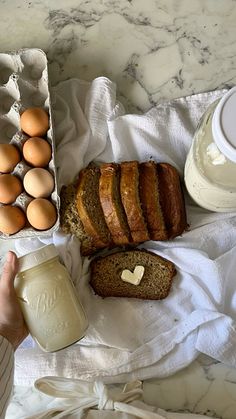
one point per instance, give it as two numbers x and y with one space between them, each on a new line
123 205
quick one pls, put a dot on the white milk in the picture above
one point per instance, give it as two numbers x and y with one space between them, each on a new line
210 169
50 306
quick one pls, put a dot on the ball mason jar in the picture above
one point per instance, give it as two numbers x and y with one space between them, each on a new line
210 169
49 301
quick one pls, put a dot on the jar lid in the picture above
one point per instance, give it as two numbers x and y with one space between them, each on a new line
37 257
224 125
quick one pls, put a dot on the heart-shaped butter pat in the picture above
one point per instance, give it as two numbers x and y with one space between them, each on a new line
133 277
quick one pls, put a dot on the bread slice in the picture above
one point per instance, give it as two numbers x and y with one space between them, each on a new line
149 195
109 194
89 207
172 200
155 284
129 190
69 218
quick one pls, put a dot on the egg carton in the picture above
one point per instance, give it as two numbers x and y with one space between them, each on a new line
24 84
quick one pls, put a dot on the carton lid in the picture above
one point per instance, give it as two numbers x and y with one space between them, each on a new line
224 125
37 257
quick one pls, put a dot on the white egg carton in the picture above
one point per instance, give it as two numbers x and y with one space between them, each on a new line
24 84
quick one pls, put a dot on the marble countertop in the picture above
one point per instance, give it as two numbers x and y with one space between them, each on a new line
154 50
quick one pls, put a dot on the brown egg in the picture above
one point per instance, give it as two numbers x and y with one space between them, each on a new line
9 157
41 214
37 152
12 219
34 122
10 188
38 183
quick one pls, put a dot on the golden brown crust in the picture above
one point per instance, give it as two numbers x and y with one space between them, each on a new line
113 211
172 200
129 190
82 212
88 207
149 195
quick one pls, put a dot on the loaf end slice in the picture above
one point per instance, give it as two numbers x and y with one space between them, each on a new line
155 284
129 190
89 207
150 199
109 193
172 200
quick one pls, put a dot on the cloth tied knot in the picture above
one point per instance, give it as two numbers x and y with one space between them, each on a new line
104 401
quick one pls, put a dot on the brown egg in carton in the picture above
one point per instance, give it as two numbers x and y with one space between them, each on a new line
23 85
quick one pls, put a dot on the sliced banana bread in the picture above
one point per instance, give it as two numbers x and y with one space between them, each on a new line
109 194
149 195
69 218
171 199
155 283
129 190
149 204
89 207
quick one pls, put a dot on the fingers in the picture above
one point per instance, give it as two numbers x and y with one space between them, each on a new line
10 269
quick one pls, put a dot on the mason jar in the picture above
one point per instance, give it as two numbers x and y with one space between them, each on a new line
49 302
210 169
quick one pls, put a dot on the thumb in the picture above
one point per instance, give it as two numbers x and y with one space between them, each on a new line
10 269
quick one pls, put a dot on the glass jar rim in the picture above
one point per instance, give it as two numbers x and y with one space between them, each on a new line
37 257
223 125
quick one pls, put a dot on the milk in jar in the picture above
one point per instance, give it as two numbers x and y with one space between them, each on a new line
49 301
210 169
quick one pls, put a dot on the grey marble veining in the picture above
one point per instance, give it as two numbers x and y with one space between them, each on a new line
154 50
205 387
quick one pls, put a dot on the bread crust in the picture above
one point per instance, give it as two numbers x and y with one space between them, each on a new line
129 190
70 221
109 194
172 200
149 195
128 214
87 219
155 284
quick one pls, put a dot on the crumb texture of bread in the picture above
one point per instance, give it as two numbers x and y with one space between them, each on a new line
89 207
109 193
69 218
149 196
171 200
129 190
123 205
155 284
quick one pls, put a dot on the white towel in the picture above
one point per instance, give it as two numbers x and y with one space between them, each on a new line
127 338
78 399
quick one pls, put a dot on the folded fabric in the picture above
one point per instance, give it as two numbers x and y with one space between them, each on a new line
127 338
77 399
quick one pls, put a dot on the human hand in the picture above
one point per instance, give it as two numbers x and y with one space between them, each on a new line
12 325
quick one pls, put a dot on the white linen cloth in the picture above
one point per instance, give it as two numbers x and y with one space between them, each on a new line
132 339
77 399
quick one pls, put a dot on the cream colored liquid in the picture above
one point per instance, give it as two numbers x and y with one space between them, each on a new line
218 170
209 176
53 313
